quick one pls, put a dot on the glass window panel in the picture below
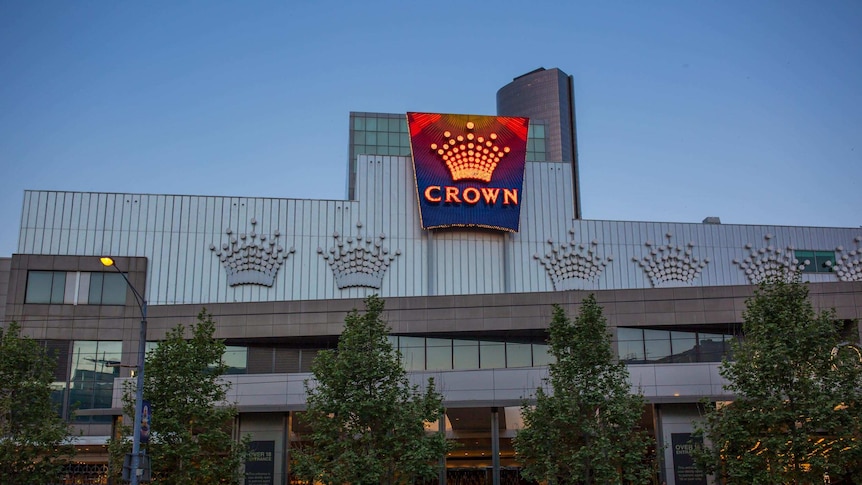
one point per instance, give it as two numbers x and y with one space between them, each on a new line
538 131
492 355
371 124
541 156
235 358
95 290
466 354
371 138
394 125
540 145
358 123
713 347
58 287
657 344
383 139
802 257
825 261
358 137
39 284
404 151
413 352
531 145
542 355
519 355
684 346
94 367
438 353
114 289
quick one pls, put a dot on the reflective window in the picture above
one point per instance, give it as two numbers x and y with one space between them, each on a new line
492 355
657 345
93 369
541 355
438 354
466 354
45 287
412 352
107 289
519 355
630 344
816 261
684 346
235 358
713 347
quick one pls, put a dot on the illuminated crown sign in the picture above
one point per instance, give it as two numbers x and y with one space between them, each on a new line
669 265
362 261
469 169
470 156
573 265
251 259
769 262
848 265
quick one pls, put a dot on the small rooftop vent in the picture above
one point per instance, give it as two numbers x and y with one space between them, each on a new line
712 220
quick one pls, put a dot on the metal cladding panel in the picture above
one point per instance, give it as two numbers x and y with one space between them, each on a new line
551 251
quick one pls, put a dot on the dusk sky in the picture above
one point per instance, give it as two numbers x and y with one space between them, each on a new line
746 110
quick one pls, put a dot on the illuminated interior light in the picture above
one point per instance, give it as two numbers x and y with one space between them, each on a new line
433 146
447 134
470 125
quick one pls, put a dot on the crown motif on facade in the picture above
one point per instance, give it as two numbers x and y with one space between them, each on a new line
469 155
360 261
573 265
670 265
251 259
848 264
769 262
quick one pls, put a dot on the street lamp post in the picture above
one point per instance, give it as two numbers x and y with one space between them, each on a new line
139 391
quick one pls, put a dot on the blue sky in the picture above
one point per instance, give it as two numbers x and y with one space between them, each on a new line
751 111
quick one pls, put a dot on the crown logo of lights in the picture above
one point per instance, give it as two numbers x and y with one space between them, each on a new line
671 265
251 259
470 156
848 264
572 265
769 262
358 261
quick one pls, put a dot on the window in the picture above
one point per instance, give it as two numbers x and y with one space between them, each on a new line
639 346
815 261
45 287
107 289
93 369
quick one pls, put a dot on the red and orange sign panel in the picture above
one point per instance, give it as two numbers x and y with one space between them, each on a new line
469 169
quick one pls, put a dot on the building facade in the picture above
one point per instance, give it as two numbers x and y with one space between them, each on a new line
468 306
547 97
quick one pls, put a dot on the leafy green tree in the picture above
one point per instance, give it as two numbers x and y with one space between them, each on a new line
586 430
797 413
191 439
34 439
367 421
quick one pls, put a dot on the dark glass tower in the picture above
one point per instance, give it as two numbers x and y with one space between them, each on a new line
547 96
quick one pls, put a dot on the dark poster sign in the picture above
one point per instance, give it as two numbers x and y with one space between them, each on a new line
684 470
260 465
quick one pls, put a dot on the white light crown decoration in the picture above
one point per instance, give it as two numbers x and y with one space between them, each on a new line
251 259
360 261
769 262
848 265
572 265
669 265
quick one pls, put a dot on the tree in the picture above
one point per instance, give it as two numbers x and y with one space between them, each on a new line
796 414
587 430
190 427
34 439
367 421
